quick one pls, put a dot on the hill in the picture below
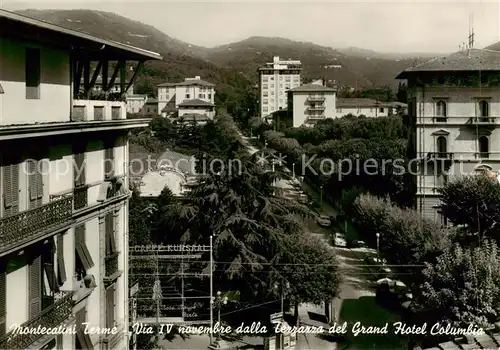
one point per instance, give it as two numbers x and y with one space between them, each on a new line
357 52
231 67
180 59
495 46
318 61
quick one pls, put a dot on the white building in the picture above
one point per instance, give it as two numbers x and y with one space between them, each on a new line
173 170
99 86
454 104
179 97
367 107
275 79
310 103
64 188
135 103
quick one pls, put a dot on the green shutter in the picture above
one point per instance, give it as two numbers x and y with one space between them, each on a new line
35 287
61 266
11 189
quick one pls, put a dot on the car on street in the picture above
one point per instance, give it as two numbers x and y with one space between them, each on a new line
324 221
357 244
340 240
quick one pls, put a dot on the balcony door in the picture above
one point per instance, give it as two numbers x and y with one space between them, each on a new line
442 146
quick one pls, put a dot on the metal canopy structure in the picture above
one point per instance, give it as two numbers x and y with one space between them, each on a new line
174 285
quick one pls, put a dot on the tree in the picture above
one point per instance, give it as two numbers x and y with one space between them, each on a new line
311 269
401 94
463 286
140 219
473 201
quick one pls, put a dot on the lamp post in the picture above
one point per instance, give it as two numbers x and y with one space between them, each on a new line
378 246
321 196
284 286
293 170
219 300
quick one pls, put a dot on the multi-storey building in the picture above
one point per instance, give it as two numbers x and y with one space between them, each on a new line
135 103
193 95
275 79
454 108
310 103
99 87
64 188
367 107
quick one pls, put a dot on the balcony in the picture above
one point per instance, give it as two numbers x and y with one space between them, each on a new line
51 317
97 110
316 117
316 99
316 108
482 122
32 224
442 156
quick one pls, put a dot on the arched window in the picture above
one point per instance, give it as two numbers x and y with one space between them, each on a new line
442 146
484 147
484 110
441 111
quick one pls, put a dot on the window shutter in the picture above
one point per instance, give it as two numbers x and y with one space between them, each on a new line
35 184
3 303
81 248
35 291
110 234
61 267
110 307
11 188
79 168
109 161
51 277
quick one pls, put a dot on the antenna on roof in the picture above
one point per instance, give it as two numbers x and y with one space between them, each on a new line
471 30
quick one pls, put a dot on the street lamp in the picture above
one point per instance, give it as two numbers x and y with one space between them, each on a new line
293 170
218 301
321 196
378 246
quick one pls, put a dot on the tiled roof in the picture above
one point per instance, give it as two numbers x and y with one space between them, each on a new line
312 88
188 83
467 60
181 162
195 102
356 102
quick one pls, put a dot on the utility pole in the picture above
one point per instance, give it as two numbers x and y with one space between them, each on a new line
211 293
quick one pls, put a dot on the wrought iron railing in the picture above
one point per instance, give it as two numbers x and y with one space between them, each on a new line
481 120
81 197
111 264
30 224
440 155
51 317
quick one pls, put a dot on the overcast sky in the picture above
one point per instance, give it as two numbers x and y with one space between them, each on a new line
392 26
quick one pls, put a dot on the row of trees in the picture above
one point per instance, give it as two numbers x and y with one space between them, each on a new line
259 238
454 272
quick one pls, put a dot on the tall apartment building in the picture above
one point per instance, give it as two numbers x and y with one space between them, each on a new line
64 187
454 108
191 97
275 79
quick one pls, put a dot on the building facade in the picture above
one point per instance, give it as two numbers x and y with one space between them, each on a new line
367 107
275 79
311 103
64 187
135 103
178 97
454 108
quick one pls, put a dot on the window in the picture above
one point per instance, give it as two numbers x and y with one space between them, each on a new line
201 96
83 259
264 102
441 111
264 86
272 86
187 96
82 339
264 109
442 146
484 109
109 161
10 181
61 267
32 58
109 223
264 78
35 287
271 78
339 110
381 110
265 94
209 96
484 147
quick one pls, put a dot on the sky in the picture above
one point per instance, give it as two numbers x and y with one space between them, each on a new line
393 26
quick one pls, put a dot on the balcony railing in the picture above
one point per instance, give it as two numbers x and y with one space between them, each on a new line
316 108
31 224
440 156
480 121
316 99
51 317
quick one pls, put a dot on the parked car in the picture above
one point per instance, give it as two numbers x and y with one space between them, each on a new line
340 240
324 221
357 244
